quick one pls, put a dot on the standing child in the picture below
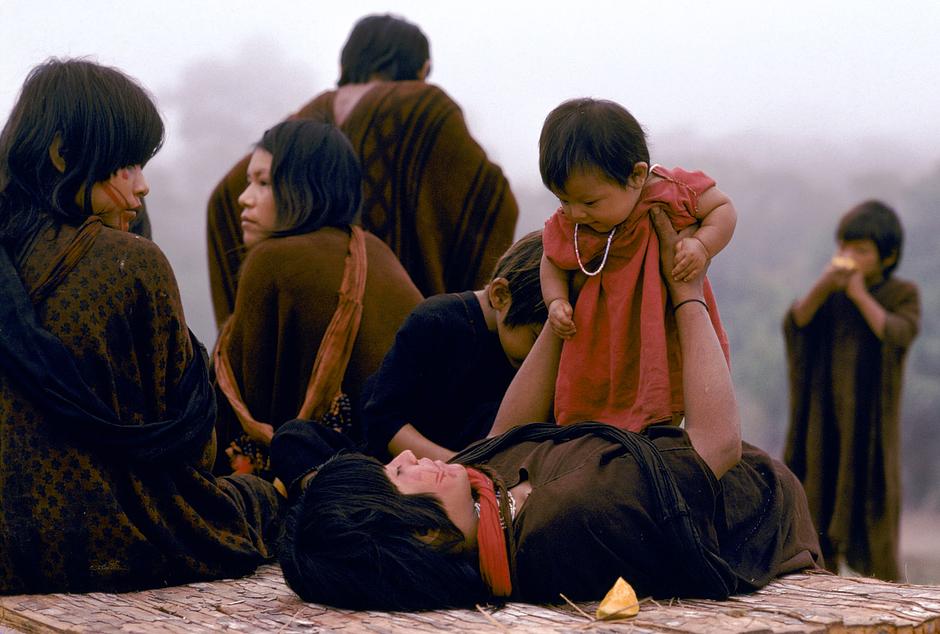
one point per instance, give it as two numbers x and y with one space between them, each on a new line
620 363
846 344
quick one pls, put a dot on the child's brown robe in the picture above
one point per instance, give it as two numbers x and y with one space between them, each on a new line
844 441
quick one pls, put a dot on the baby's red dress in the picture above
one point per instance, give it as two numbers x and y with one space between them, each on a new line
623 366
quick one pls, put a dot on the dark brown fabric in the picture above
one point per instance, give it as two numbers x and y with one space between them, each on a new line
606 503
429 192
73 252
844 438
76 517
334 350
45 371
287 296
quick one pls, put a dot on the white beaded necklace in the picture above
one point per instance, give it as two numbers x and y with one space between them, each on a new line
577 252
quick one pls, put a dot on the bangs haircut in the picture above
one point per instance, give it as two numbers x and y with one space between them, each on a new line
520 267
352 541
590 134
315 177
385 46
873 220
103 120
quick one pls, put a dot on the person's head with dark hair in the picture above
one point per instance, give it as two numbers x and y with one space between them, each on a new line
74 145
384 47
302 176
590 135
593 157
871 234
357 540
515 293
519 266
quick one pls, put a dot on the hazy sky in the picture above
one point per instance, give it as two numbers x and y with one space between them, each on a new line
840 69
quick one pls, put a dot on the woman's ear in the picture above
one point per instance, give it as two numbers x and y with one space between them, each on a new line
429 536
55 153
888 261
497 291
425 70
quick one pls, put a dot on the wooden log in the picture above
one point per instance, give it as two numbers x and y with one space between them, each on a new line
814 603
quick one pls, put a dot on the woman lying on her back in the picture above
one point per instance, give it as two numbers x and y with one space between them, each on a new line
545 510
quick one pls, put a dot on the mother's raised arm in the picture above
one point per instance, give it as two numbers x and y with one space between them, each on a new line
711 409
530 396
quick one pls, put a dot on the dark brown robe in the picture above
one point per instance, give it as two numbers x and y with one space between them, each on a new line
844 437
429 192
76 514
608 503
287 294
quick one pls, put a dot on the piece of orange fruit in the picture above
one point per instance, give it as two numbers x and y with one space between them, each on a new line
843 262
619 603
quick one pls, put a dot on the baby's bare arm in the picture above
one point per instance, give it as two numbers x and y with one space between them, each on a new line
554 281
555 293
717 217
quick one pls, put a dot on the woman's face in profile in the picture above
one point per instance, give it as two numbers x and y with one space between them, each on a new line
259 216
117 199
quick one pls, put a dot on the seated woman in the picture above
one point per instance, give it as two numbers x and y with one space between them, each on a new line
429 190
106 409
676 512
319 299
441 383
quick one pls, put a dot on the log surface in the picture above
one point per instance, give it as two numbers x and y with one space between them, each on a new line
263 603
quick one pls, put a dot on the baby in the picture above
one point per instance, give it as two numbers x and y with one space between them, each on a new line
625 369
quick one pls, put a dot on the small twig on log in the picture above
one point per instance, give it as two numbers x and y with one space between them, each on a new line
580 611
613 615
491 619
292 619
659 627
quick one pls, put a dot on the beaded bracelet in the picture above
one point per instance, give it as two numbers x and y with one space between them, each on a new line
683 303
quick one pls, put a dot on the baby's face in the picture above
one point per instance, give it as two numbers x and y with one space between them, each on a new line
591 199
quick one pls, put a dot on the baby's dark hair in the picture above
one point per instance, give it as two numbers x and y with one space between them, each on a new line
354 541
583 134
873 220
519 265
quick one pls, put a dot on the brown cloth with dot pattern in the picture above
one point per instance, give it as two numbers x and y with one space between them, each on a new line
76 515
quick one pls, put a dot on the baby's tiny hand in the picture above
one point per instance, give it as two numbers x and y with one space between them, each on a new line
560 318
691 258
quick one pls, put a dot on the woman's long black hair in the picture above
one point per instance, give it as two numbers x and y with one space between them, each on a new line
315 176
98 119
354 541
